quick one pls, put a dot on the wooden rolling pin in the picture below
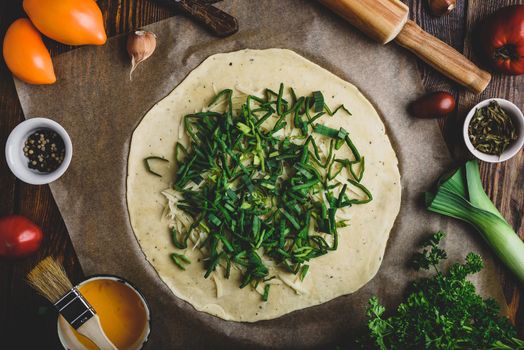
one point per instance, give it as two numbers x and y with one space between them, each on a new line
387 20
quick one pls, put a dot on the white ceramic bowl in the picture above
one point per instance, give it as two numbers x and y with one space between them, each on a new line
69 340
518 120
18 162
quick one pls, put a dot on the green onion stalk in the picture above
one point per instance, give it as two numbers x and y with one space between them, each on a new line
460 195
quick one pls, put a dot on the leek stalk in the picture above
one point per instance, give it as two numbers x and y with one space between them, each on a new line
460 195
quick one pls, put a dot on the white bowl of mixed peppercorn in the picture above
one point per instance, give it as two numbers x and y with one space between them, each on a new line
38 151
494 130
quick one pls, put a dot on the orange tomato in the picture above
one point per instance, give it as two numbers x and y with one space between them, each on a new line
26 55
71 22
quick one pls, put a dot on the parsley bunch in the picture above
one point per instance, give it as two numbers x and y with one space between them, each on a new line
441 312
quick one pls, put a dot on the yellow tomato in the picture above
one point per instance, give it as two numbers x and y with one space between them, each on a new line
26 55
71 22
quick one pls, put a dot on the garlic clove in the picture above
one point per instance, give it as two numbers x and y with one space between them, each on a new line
441 7
140 46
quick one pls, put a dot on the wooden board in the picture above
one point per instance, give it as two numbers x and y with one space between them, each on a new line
21 309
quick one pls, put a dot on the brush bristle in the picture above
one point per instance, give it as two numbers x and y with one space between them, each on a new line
49 279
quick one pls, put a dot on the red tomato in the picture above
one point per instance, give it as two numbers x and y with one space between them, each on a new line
19 237
501 40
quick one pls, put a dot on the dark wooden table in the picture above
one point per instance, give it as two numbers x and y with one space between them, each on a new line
27 321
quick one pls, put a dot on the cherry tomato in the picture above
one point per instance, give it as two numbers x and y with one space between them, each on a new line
26 55
433 105
71 22
19 237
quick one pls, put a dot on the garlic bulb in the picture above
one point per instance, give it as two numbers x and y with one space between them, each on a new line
441 7
140 46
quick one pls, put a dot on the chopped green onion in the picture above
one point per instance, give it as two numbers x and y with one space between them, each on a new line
318 101
244 128
325 130
258 193
148 162
303 271
341 107
265 296
180 260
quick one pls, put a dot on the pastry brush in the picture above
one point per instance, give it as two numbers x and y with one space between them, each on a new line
49 279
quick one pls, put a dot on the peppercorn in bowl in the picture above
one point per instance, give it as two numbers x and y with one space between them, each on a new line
38 151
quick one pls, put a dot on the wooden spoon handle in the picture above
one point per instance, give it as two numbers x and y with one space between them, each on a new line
443 57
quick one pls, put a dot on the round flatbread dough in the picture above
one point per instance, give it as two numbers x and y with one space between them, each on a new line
361 244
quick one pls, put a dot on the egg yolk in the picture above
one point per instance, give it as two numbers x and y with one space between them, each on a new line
120 309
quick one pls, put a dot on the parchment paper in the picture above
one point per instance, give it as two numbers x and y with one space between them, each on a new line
98 105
